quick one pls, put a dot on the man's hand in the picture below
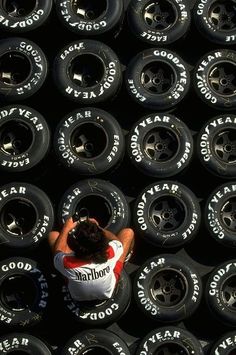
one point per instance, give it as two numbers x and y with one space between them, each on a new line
69 225
61 242
93 220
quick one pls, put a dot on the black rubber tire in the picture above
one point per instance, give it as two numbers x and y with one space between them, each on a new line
26 217
16 19
165 22
220 292
102 80
93 340
18 307
166 214
89 141
167 289
23 342
214 79
225 345
24 138
171 339
90 20
220 211
216 21
103 200
157 78
103 312
23 68
160 145
215 146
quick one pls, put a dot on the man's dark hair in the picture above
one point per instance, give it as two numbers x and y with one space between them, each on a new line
88 242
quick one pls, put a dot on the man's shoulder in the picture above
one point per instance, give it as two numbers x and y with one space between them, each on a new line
115 242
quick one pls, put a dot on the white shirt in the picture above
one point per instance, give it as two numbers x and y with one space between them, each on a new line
87 280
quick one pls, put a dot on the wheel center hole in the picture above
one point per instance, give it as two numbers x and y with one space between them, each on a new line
156 80
89 147
223 81
159 146
90 14
167 289
166 215
228 148
157 17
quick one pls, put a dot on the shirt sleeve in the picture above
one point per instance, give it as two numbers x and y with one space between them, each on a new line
58 263
117 246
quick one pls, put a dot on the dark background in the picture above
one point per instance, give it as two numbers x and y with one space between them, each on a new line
203 252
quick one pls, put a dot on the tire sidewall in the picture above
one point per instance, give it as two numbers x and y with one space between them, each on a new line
23 342
38 64
108 85
213 292
164 335
144 97
216 227
146 302
30 316
200 79
100 25
44 211
205 145
164 37
224 345
206 28
96 338
113 197
39 129
28 23
143 162
111 155
146 228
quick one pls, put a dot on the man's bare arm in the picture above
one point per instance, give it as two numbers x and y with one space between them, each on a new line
109 235
61 242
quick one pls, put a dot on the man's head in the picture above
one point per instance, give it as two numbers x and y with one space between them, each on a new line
88 242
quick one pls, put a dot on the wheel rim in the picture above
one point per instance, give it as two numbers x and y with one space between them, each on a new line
171 348
90 202
160 15
86 70
228 214
160 144
167 213
222 78
228 292
157 77
15 138
222 15
89 9
224 146
169 287
88 141
19 8
18 217
18 292
15 68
